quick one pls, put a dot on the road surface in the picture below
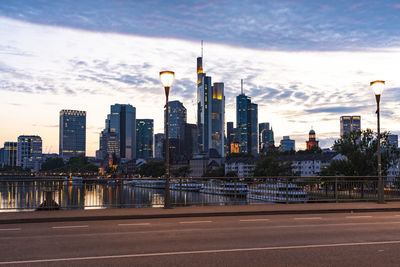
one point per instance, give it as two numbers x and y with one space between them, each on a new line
364 239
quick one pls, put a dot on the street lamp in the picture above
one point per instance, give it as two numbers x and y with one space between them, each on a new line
378 87
167 78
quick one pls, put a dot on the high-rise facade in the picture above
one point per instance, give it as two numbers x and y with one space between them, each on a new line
72 139
189 140
120 131
177 116
9 156
393 140
247 124
210 112
266 137
349 124
159 140
144 137
29 152
287 144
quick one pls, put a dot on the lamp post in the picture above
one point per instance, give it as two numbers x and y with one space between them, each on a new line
167 78
377 87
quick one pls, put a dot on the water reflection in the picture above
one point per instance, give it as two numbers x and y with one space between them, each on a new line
29 195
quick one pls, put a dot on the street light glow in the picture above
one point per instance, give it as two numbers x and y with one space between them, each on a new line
167 78
378 87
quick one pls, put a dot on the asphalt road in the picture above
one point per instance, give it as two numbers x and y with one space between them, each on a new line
367 239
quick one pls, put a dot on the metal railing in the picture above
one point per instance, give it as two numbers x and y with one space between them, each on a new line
31 193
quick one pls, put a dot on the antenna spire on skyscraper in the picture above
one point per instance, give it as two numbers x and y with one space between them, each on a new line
201 48
241 87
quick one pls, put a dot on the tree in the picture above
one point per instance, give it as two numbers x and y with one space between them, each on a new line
270 166
53 164
217 172
183 171
80 164
360 150
152 169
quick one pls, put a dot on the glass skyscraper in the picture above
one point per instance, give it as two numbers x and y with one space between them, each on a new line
120 131
9 152
29 152
72 141
287 144
247 124
266 137
210 112
349 124
177 118
144 137
159 145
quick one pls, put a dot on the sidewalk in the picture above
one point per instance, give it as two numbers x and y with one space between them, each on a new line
151 213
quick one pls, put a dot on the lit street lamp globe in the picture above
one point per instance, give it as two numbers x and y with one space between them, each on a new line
167 78
377 87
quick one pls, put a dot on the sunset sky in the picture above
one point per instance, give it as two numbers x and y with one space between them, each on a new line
305 63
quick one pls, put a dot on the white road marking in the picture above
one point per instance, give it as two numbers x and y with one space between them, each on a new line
70 226
203 252
10 229
308 218
132 224
357 217
196 222
255 220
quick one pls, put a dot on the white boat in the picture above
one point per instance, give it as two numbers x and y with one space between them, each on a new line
193 187
225 189
155 184
277 192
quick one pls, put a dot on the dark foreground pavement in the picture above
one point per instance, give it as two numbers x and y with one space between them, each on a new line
181 212
328 239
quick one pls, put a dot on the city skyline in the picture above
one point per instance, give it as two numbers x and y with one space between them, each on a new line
296 88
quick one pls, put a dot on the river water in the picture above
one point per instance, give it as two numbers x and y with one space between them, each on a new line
28 195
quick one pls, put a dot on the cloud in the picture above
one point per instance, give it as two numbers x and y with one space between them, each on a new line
336 110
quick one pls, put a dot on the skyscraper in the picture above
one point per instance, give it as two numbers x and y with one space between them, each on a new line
144 137
10 154
210 112
247 124
159 145
230 134
177 118
393 140
349 124
266 137
120 129
189 140
72 139
29 152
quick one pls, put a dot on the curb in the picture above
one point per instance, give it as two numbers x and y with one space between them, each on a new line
190 215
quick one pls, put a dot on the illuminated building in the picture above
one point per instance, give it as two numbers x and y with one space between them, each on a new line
144 137
119 135
159 145
9 154
29 152
312 142
72 139
210 112
247 124
349 124
177 118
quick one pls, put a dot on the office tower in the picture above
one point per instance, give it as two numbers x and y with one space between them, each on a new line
393 140
29 152
119 134
189 144
287 144
10 154
312 142
72 139
177 118
349 124
247 124
210 112
159 140
230 134
144 137
266 137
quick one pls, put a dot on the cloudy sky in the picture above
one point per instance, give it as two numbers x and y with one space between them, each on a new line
305 63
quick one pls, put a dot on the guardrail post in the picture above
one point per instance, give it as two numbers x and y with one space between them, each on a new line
336 192
287 190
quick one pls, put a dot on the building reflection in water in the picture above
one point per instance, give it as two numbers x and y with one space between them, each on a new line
29 195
